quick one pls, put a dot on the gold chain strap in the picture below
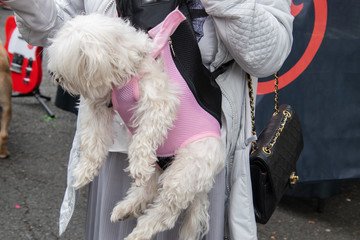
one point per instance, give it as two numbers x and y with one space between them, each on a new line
293 178
267 149
276 94
252 106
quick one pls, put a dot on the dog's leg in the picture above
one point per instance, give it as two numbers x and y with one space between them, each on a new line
192 173
5 101
5 121
96 137
154 116
137 199
196 220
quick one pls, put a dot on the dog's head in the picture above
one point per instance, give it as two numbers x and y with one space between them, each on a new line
92 54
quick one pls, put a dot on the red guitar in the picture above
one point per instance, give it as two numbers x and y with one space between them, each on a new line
25 64
25 60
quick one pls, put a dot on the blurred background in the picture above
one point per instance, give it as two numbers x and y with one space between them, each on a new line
319 79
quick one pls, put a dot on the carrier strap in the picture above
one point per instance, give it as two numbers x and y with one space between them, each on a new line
162 32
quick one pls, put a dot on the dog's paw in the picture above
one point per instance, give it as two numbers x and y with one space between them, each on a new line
4 155
120 212
83 175
130 207
4 152
139 235
80 182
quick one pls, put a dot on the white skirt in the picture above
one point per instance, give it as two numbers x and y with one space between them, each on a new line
111 186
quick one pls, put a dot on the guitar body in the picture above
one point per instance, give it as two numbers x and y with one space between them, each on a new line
25 60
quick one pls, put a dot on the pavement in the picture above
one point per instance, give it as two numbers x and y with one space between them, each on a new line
33 180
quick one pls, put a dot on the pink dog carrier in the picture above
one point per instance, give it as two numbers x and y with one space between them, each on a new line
200 108
192 122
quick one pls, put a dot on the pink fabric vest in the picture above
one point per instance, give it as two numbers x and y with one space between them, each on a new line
193 122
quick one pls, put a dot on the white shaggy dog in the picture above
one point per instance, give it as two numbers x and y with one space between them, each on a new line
91 55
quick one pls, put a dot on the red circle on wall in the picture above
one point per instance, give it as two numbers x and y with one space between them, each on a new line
320 7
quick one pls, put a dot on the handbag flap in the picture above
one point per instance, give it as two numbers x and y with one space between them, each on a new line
279 147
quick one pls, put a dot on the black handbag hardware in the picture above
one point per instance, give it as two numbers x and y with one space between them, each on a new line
273 156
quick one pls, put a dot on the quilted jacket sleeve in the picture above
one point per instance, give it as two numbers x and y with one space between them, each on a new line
38 20
257 33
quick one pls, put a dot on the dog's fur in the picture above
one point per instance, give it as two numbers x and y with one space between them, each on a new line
5 101
90 56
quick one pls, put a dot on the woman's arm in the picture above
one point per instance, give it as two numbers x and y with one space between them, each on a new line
38 20
257 33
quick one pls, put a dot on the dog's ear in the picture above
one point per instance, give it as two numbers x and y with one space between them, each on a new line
115 52
111 49
129 47
96 51
80 58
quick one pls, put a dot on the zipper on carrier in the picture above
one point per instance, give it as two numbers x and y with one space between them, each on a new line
171 47
108 6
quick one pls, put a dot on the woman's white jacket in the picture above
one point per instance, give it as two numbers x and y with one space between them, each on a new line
256 33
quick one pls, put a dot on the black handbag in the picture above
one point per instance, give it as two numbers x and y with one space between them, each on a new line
273 156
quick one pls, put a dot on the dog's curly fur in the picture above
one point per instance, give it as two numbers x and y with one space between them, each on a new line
90 56
5 101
